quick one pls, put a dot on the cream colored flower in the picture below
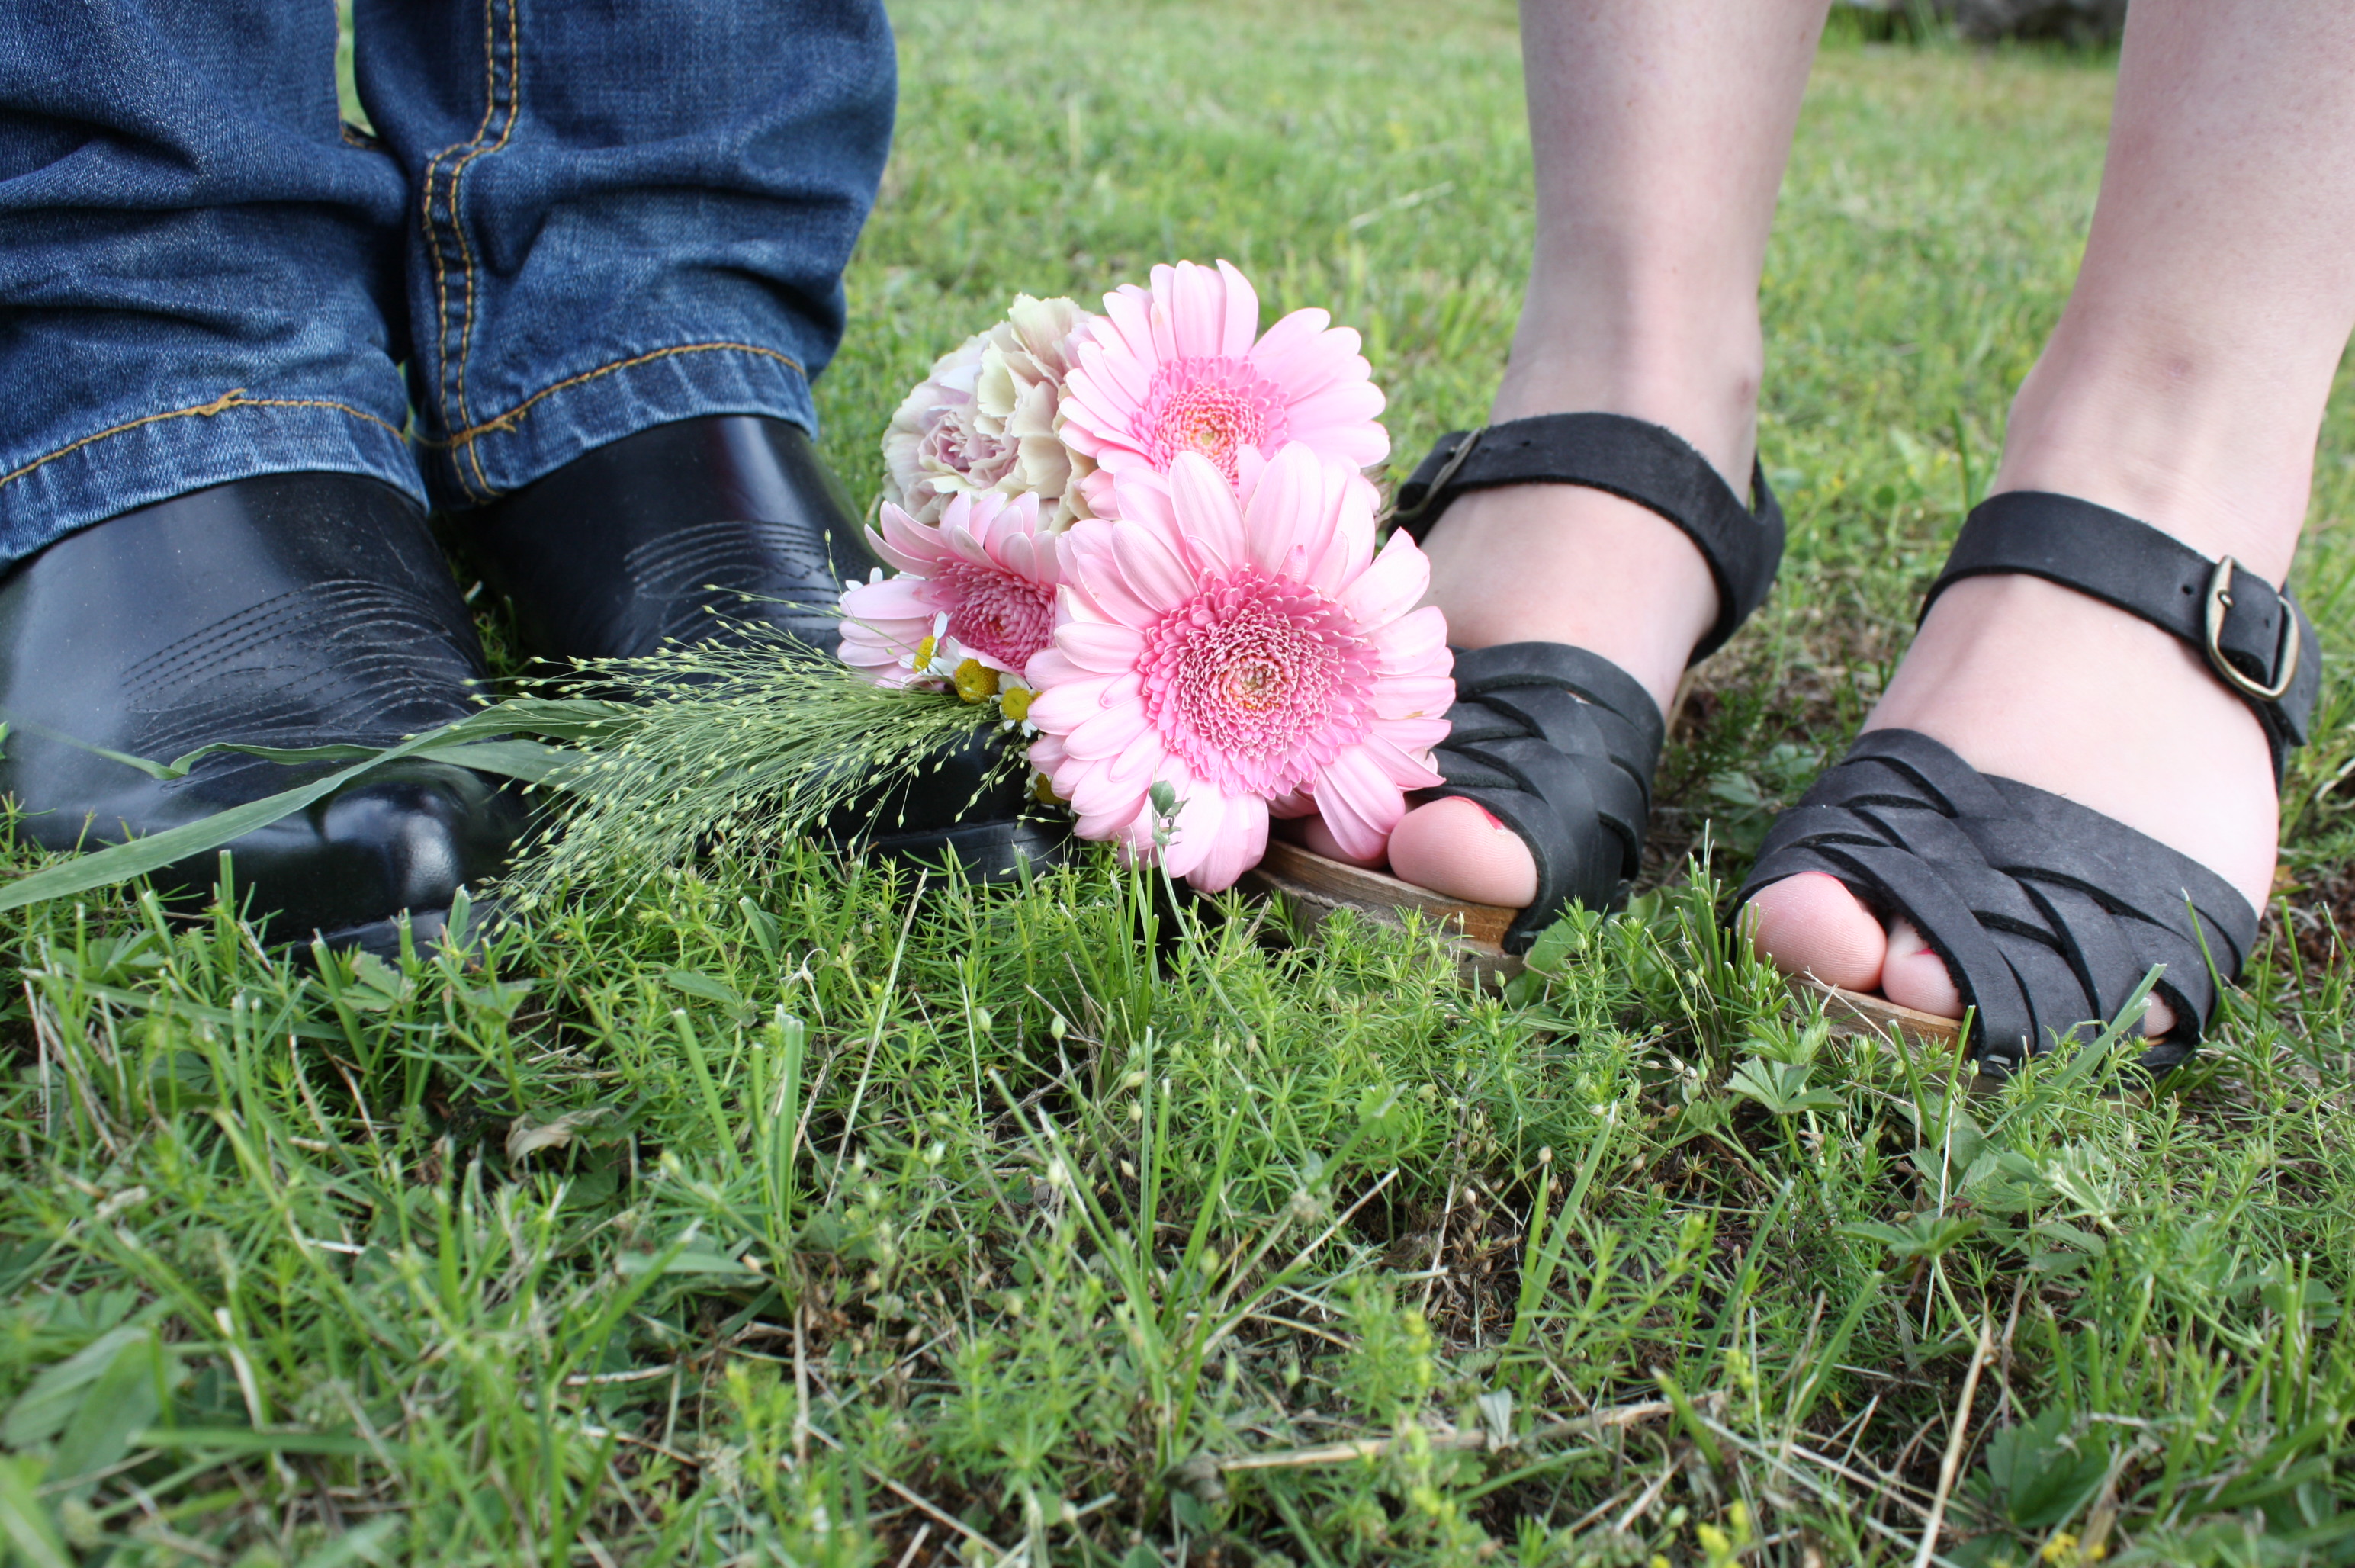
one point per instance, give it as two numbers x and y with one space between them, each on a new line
987 420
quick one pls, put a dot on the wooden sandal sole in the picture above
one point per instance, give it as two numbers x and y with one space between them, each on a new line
1854 1013
1316 887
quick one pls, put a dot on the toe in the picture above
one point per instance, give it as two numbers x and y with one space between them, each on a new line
1913 976
1456 849
1811 924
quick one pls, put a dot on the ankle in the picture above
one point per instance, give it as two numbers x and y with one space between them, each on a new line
2170 439
1676 363
1560 563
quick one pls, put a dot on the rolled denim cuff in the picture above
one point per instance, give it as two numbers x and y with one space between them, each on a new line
569 417
154 456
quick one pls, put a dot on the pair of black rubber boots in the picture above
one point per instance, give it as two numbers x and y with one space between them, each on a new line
301 609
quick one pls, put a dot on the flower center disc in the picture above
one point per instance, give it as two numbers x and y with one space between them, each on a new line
999 614
1257 683
1215 407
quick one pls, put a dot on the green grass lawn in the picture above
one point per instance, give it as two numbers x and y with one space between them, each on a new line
786 1216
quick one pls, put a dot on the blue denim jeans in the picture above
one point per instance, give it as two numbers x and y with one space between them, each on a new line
576 219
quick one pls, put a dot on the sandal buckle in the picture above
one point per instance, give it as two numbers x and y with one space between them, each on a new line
1408 516
2220 600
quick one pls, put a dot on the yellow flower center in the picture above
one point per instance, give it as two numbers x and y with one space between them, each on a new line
974 680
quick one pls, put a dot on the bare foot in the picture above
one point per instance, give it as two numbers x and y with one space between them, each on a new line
2031 681
1545 563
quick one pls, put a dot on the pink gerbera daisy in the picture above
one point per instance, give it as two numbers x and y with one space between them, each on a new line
1258 653
980 584
1174 369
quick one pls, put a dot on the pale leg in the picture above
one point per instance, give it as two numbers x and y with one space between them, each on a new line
1661 128
2184 386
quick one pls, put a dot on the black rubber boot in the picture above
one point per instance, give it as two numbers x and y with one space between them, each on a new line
290 610
679 532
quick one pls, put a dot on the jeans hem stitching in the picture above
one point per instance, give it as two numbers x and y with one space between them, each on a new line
514 416
233 398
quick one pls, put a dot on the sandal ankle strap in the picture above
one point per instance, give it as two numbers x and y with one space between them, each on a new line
1636 461
2253 636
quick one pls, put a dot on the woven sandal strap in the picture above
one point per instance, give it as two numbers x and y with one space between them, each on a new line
1589 677
2047 912
1632 459
1559 744
2253 636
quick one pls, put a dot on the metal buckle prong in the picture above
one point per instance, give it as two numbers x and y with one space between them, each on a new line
1438 484
2219 599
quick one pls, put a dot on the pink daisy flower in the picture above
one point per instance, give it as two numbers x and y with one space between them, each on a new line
980 584
1174 369
1257 654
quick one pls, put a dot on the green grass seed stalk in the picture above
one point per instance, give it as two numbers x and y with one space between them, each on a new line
751 742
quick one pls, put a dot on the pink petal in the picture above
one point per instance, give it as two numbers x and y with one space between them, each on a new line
1134 494
1151 573
1200 820
1341 421
1415 737
1064 706
1097 488
1139 763
1413 696
1359 802
1391 585
1415 644
1284 512
1241 324
894 598
1049 667
1242 841
1092 585
897 559
1195 306
1123 380
907 534
1130 310
1105 648
1105 734
1296 354
1407 770
1206 511
1093 793
1047 755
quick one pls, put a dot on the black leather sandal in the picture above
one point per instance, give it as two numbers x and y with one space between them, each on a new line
1557 742
2047 913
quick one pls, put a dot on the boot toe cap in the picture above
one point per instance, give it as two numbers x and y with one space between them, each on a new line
401 840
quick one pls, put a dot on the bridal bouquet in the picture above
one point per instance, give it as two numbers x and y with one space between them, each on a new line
1147 537
1140 544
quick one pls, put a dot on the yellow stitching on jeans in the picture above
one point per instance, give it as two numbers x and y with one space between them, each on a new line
510 420
233 398
425 216
458 227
